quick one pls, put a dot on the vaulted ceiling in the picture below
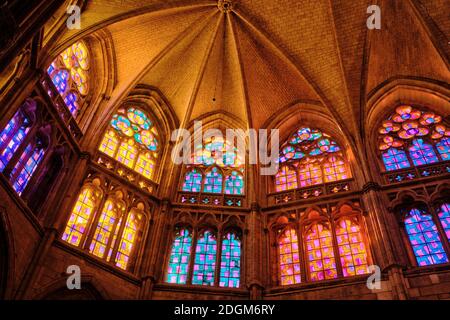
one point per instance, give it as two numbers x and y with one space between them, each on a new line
256 59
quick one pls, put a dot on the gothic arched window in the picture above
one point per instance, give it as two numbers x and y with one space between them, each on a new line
320 252
224 169
81 215
424 237
180 257
234 183
104 226
193 181
411 136
289 257
130 237
310 157
205 259
132 141
324 243
213 181
352 249
70 75
197 265
108 222
230 266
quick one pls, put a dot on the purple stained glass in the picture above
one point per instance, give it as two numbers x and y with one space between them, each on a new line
205 260
395 159
444 217
26 166
422 153
444 148
424 238
60 80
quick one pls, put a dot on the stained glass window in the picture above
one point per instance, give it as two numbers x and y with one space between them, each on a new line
352 250
11 137
109 144
193 181
213 181
319 246
127 153
81 214
230 265
310 174
422 153
424 238
145 165
234 183
444 217
444 148
409 129
220 160
205 260
289 258
70 74
26 166
395 159
128 239
334 169
132 140
179 258
313 156
286 179
105 227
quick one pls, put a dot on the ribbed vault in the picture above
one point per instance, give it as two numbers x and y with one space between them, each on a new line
254 60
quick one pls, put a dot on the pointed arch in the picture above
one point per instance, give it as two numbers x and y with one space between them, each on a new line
178 268
213 181
289 257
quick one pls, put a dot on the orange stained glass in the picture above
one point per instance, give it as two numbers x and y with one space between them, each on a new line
109 144
127 153
105 227
334 169
352 250
289 258
310 174
319 247
286 179
145 165
79 219
127 242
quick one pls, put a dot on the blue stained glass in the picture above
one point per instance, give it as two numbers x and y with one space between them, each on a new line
205 260
424 238
8 130
422 153
179 258
444 148
71 102
60 81
315 152
7 154
27 165
395 159
213 181
230 265
192 181
444 217
234 184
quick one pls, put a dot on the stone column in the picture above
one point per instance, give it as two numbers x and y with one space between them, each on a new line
381 238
